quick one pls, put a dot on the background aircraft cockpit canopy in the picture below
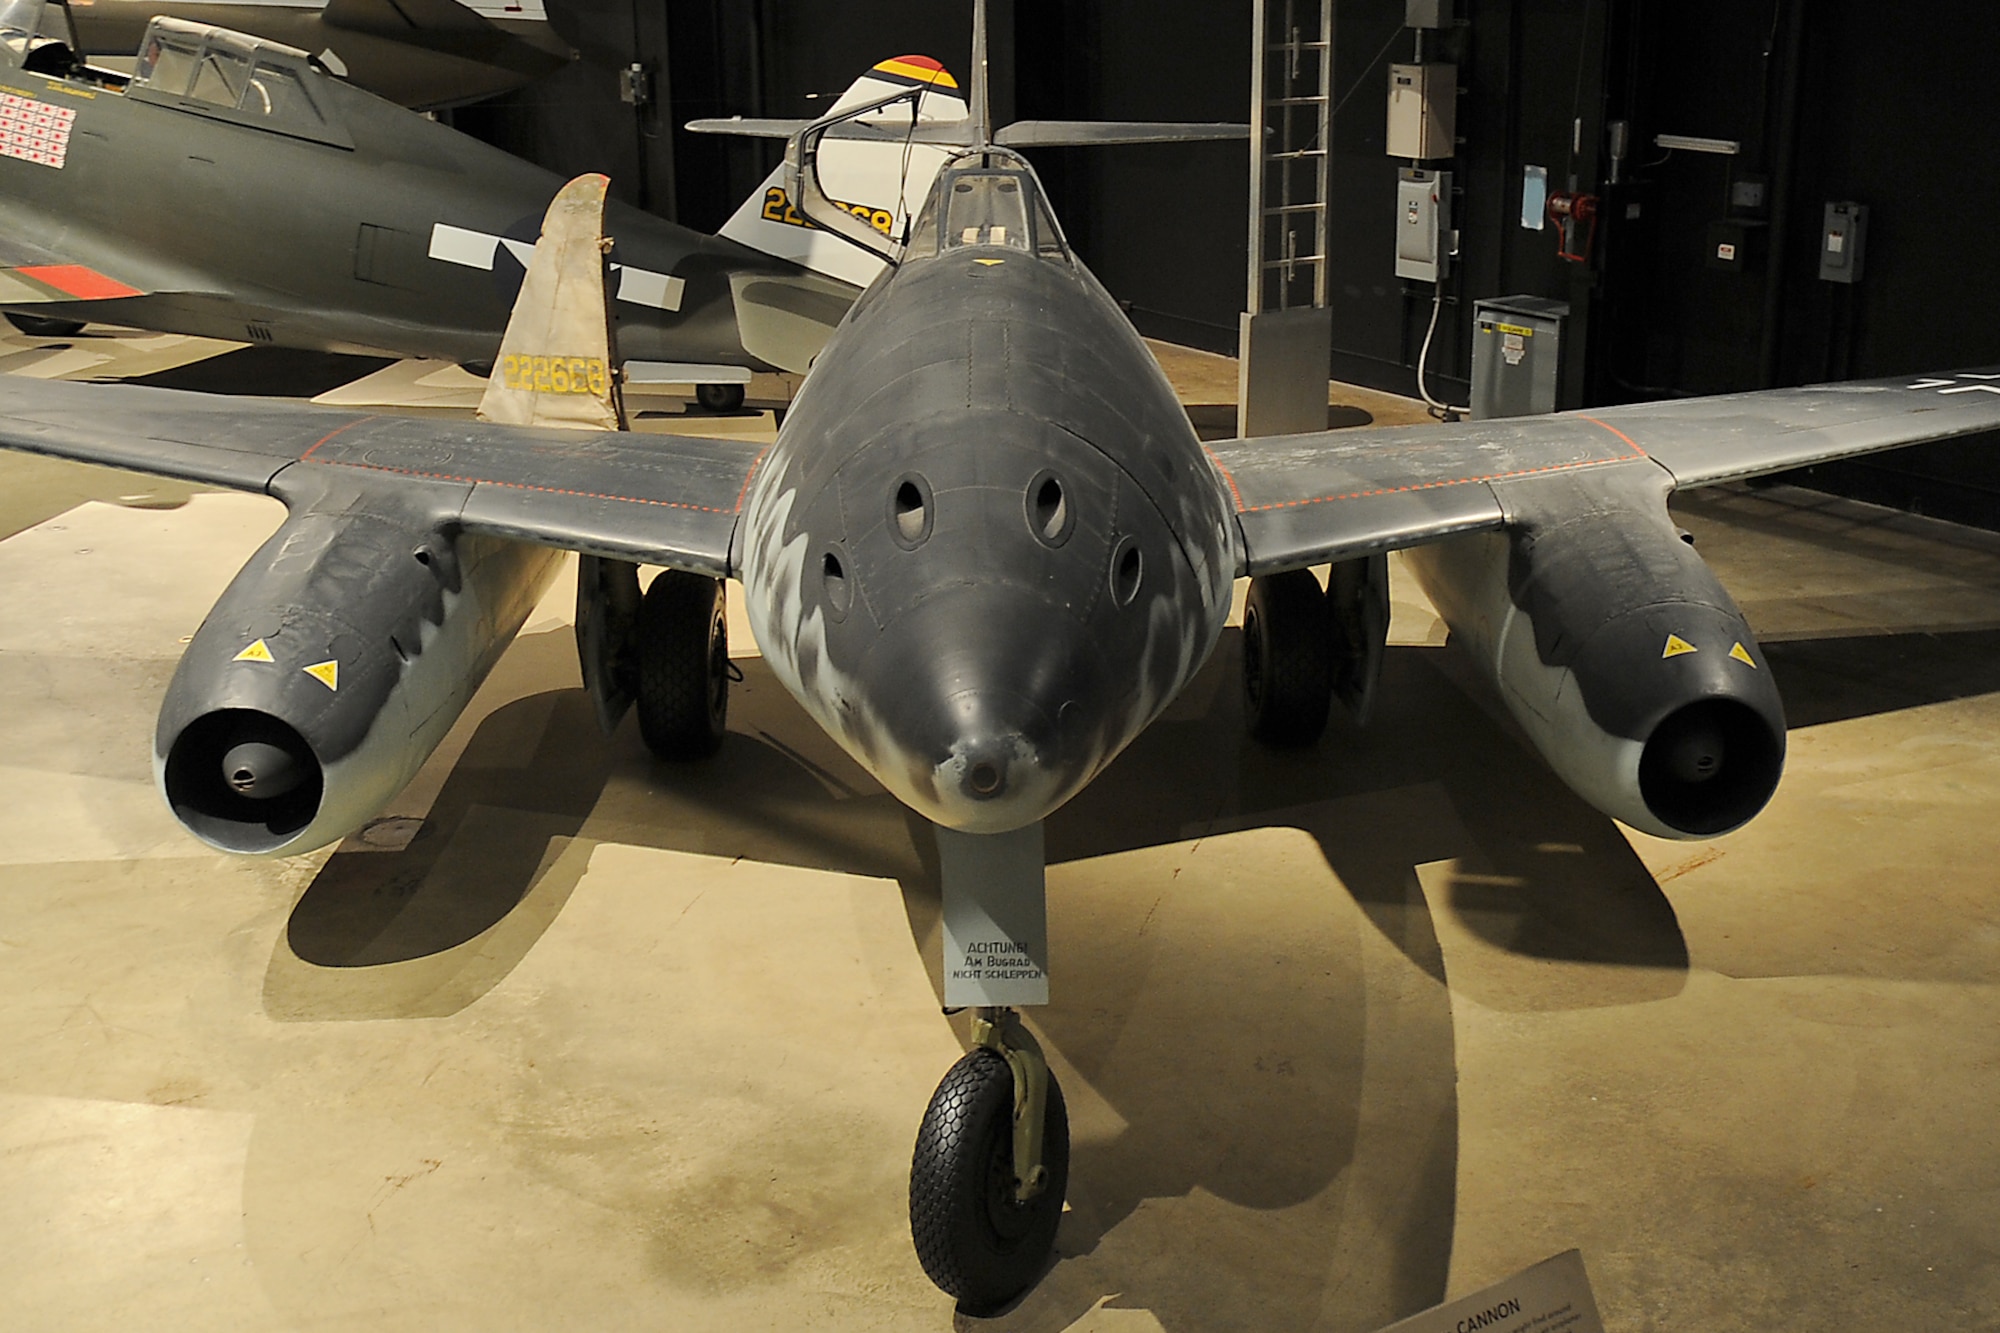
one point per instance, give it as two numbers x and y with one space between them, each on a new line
29 27
229 76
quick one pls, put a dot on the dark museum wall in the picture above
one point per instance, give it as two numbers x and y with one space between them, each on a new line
1830 99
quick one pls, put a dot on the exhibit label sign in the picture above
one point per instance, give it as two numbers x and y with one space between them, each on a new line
1552 1297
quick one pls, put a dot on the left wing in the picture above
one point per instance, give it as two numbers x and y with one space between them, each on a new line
1308 499
657 499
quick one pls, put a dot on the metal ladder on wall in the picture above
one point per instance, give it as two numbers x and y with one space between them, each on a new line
1291 97
1287 329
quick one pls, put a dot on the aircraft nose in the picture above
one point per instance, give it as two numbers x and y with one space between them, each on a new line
976 689
1003 740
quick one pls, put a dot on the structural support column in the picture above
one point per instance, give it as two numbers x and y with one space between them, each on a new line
1286 335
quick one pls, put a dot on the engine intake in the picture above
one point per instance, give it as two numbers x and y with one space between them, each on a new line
243 781
1622 657
332 666
1710 766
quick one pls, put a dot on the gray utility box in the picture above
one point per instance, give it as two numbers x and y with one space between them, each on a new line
1516 355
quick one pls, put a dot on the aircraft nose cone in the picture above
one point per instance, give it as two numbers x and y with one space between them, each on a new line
260 771
1002 741
976 699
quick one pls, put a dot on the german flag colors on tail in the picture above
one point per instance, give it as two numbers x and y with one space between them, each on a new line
916 71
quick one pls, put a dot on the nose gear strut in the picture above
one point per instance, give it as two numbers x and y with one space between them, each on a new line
1001 1031
990 1168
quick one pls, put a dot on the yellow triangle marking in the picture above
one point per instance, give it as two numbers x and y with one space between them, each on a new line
989 263
256 652
1742 654
326 673
1677 647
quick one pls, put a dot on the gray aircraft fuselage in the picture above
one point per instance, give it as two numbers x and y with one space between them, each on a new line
987 548
237 228
463 58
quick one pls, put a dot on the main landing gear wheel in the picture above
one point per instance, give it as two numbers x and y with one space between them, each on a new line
719 398
42 326
683 694
1288 666
983 1222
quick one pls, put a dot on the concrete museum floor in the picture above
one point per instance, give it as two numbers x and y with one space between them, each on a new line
575 1039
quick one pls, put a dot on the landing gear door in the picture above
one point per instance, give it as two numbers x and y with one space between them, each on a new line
1357 594
607 616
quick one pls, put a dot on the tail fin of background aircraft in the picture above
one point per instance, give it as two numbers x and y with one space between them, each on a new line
875 155
880 180
555 366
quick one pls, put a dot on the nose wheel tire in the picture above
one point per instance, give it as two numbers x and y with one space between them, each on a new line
683 638
977 1240
1288 659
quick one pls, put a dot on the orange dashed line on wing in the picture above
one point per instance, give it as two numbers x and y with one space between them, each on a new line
1227 476
1635 454
1434 485
749 477
529 486
334 434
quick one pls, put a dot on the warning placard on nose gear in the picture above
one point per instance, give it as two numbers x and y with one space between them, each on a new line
996 923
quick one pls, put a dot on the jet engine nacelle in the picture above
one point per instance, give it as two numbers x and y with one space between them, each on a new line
331 668
1620 654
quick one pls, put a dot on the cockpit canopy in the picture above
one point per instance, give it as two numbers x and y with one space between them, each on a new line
30 26
986 199
229 76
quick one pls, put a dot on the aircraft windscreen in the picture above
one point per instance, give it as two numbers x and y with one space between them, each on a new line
217 72
986 208
27 24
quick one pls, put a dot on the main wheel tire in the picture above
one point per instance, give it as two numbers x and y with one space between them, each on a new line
974 1240
719 398
1288 667
42 326
683 694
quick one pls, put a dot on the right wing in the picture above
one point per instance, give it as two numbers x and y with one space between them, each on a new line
1329 495
656 499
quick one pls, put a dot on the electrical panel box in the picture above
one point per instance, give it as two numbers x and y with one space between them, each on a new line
1426 13
1840 242
1423 106
1423 224
1516 355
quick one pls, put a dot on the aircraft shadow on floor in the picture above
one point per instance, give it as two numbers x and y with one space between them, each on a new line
1435 811
1840 679
1358 1137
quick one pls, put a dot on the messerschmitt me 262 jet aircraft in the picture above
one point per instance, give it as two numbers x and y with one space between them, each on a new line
233 188
985 551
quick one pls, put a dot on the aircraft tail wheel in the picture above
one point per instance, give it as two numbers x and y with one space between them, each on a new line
683 695
975 1236
719 397
1288 668
42 326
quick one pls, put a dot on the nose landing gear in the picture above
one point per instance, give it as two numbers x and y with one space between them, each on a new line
990 1168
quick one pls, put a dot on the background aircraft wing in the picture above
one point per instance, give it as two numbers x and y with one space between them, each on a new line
658 499
1307 499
